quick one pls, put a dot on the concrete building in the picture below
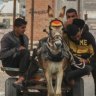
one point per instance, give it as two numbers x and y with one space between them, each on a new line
38 20
35 27
6 10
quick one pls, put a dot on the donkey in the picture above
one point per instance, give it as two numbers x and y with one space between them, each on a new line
54 55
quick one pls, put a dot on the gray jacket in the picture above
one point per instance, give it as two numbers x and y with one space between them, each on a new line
10 43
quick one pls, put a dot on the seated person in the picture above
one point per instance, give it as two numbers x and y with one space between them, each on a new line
72 14
14 51
83 47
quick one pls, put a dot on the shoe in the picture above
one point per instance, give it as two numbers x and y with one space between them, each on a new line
18 84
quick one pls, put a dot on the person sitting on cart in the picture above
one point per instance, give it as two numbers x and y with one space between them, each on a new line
72 14
14 51
83 47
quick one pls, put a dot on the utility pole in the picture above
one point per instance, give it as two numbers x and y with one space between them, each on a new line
79 7
14 11
32 23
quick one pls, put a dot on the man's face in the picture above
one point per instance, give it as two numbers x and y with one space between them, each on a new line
20 30
77 36
70 16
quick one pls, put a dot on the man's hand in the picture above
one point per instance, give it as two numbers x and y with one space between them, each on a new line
84 61
79 59
21 48
68 22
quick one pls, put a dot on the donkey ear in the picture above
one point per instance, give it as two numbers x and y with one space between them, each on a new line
50 11
62 13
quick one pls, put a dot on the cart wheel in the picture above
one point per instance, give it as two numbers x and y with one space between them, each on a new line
10 90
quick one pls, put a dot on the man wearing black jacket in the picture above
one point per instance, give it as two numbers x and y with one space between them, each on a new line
14 49
82 45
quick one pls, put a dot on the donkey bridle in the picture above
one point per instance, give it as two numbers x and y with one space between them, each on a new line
54 57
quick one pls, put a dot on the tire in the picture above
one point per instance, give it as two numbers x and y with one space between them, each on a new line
10 90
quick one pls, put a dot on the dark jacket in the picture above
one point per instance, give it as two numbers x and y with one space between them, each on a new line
85 48
10 43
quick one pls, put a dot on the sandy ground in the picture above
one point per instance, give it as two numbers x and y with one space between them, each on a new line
3 77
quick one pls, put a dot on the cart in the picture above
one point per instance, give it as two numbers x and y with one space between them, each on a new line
36 86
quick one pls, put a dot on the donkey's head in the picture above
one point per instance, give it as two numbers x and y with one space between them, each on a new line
56 28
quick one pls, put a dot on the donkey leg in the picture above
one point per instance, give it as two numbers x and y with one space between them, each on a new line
59 83
49 84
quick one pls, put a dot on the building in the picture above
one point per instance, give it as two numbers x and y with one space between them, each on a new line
6 10
36 14
38 20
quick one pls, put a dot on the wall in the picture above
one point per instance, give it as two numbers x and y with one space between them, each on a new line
40 17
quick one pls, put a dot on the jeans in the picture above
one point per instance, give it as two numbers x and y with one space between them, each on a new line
20 61
77 73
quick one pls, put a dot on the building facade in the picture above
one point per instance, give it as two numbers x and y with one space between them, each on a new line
6 10
37 20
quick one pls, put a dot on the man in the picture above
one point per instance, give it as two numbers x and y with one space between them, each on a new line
82 45
14 49
23 12
72 14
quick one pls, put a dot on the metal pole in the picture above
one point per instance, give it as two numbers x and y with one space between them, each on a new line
14 11
79 8
32 24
